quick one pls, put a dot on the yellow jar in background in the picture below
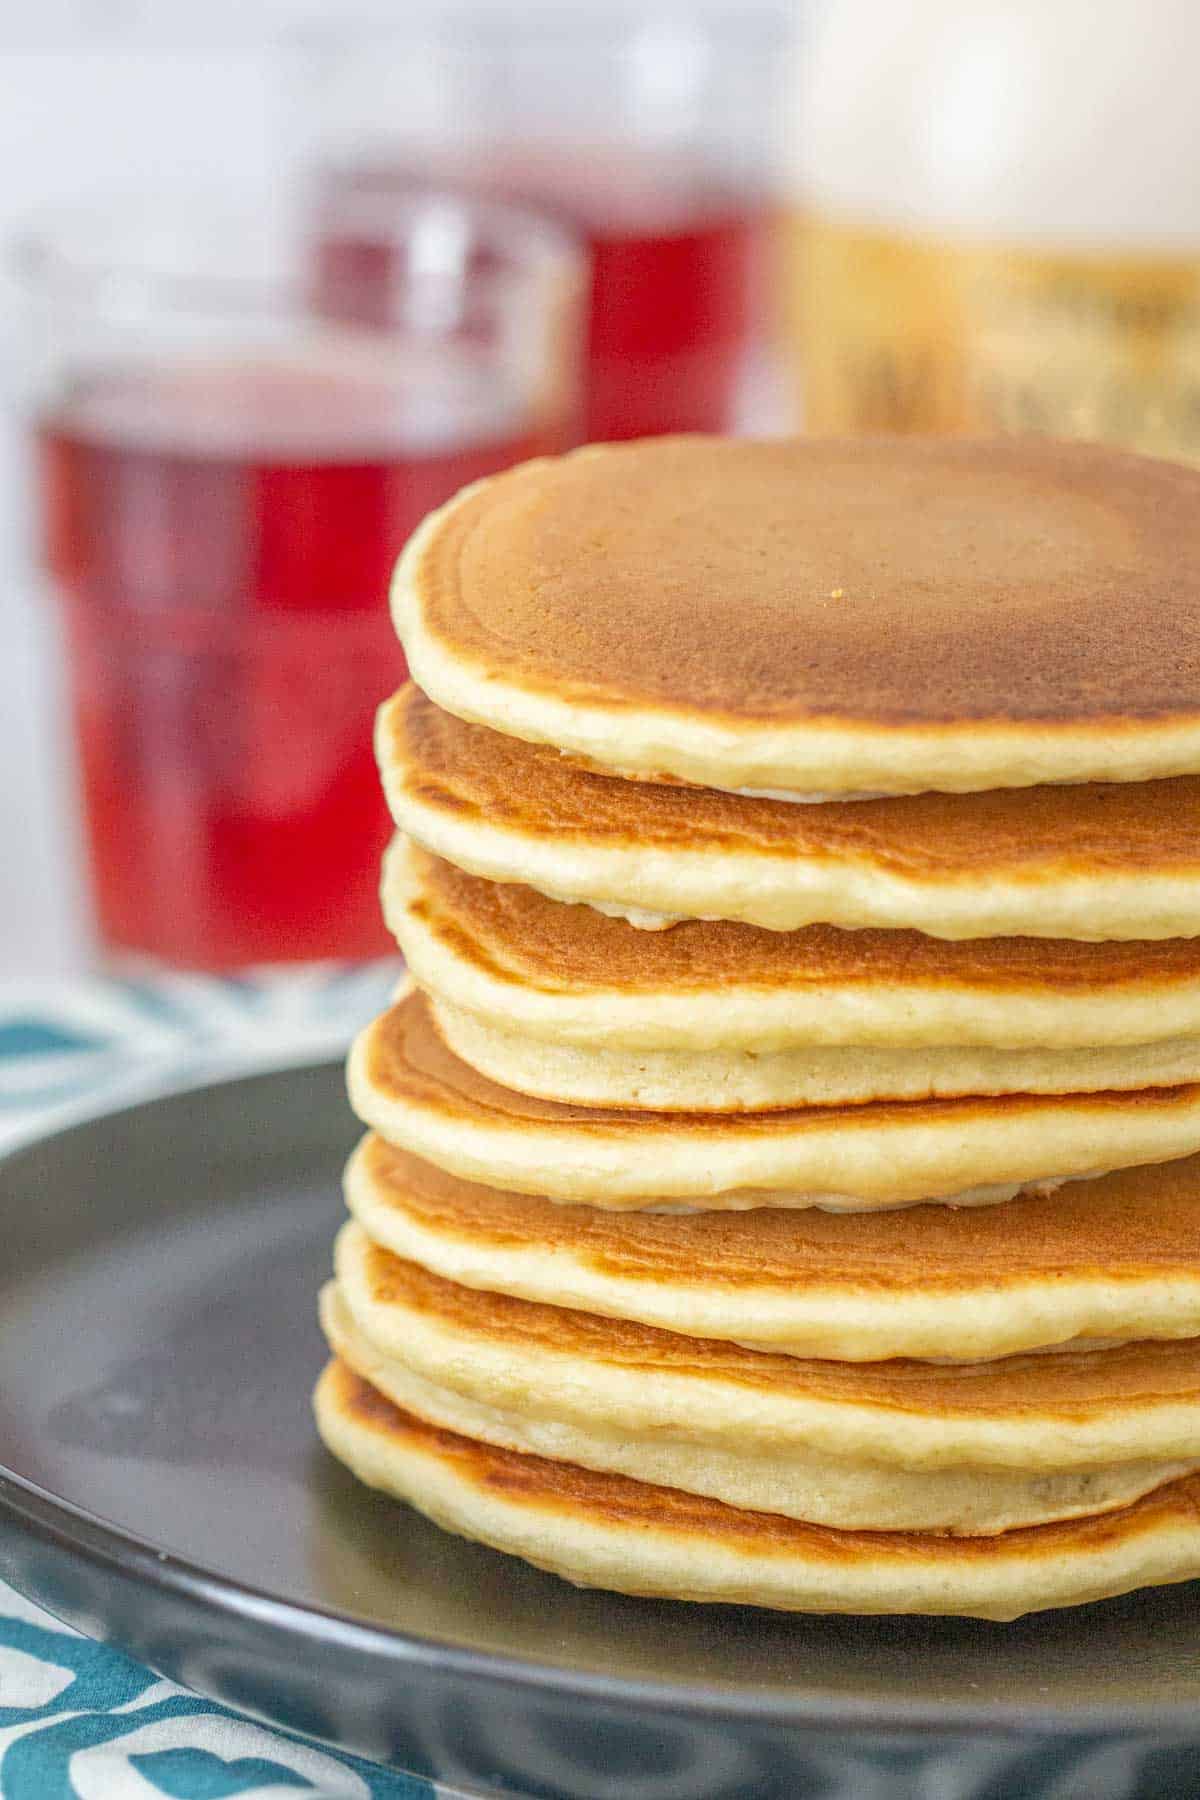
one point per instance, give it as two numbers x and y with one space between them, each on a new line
997 221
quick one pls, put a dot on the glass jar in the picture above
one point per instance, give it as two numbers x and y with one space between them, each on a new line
227 472
652 136
998 220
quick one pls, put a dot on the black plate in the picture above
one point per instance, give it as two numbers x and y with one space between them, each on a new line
163 1488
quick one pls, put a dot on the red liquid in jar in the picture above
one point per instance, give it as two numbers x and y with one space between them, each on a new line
222 540
678 266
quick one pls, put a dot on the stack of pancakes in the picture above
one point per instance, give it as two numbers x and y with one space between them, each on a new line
783 1182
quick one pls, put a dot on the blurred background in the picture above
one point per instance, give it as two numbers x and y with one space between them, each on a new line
279 276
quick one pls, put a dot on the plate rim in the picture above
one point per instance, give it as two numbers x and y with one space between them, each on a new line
88 1539
60 1524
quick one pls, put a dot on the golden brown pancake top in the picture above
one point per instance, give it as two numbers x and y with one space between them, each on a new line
1070 1385
636 1505
474 773
406 1060
882 581
1134 1224
506 929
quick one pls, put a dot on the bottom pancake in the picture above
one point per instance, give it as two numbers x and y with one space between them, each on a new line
601 1530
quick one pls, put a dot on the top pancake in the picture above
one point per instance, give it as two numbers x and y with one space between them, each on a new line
870 616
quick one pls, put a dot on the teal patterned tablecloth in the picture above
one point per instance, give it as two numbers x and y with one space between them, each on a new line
78 1720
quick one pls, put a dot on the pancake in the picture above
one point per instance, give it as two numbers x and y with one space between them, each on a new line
727 1081
1120 860
881 615
569 975
1100 1260
797 1482
407 1085
607 1531
1044 1413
